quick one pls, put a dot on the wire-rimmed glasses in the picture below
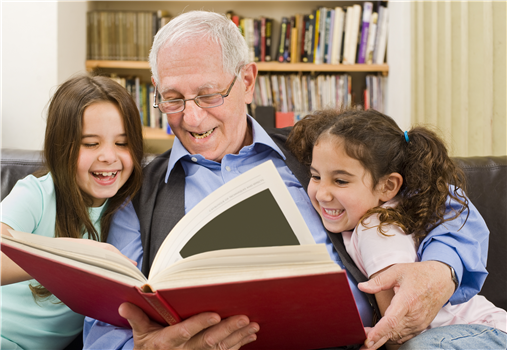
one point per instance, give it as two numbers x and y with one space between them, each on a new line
203 101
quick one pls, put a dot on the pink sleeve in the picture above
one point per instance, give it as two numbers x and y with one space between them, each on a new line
379 251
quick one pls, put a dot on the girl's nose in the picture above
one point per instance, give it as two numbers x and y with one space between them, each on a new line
108 154
323 193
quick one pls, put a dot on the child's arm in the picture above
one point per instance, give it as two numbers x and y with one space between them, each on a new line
11 272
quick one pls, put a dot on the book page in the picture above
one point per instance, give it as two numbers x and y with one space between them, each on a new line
253 210
244 264
74 250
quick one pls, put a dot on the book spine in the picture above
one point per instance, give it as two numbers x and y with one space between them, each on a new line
281 45
269 38
316 36
263 40
160 306
367 11
371 38
382 33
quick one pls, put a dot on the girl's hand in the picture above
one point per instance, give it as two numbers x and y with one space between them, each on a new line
10 271
101 245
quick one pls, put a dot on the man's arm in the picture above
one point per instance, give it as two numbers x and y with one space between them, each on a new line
421 289
202 331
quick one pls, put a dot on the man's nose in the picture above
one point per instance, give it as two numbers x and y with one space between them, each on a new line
193 114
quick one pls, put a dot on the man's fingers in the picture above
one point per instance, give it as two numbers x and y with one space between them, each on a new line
385 280
231 333
138 320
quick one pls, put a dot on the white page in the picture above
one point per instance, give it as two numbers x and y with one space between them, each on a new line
260 178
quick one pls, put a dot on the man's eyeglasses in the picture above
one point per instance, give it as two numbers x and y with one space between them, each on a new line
203 101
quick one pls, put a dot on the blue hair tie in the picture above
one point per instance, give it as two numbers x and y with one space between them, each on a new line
406 137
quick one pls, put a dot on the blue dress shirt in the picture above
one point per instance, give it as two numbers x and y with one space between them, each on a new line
458 249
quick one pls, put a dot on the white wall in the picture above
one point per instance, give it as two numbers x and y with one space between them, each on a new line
43 43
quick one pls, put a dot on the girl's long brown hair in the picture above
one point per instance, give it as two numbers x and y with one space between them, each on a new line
376 141
61 151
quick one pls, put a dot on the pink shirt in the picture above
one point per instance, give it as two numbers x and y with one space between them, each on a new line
372 252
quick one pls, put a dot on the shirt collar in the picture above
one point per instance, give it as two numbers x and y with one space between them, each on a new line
260 136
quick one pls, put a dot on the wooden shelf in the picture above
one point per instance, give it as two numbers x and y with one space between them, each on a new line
262 66
156 134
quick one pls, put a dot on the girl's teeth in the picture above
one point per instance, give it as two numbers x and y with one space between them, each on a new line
333 212
105 173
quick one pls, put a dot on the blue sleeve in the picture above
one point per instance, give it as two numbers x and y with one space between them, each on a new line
125 235
462 246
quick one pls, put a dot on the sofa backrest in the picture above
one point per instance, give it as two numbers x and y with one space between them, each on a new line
15 164
487 190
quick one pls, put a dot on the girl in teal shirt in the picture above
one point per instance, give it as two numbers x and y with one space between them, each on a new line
93 150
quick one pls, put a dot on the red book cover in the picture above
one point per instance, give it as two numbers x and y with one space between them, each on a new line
295 312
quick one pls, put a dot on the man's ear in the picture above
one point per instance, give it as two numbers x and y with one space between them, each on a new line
153 81
390 186
248 75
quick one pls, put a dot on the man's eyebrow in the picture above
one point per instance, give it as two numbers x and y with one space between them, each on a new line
210 85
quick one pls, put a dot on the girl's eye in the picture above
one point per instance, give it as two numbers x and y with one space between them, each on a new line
89 145
341 182
122 144
315 177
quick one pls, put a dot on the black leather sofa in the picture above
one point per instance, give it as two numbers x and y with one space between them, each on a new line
487 189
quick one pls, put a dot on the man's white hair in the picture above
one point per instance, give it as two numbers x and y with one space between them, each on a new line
195 25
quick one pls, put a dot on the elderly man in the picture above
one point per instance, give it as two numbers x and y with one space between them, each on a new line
200 68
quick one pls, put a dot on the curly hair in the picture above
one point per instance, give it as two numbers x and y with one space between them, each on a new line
376 141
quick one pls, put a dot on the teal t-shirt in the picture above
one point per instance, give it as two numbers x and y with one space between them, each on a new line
25 324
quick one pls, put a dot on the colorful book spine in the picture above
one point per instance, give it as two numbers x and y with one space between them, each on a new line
367 11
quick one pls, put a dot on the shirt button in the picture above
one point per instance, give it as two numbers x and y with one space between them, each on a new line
194 159
228 168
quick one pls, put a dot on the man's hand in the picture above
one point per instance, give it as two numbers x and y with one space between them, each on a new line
202 331
421 289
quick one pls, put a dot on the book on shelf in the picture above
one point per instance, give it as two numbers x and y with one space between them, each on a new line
365 25
281 42
381 41
337 35
224 256
371 38
352 33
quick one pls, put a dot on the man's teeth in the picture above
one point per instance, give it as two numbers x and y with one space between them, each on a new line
103 173
201 136
334 212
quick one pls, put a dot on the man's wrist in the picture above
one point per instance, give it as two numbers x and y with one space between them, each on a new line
454 277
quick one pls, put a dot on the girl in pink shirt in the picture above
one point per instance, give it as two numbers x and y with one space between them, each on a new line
384 190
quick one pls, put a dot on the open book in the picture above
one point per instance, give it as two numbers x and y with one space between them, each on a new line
290 286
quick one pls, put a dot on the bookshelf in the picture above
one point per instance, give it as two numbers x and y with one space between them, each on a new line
252 9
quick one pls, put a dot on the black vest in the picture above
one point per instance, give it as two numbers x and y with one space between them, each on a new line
159 206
